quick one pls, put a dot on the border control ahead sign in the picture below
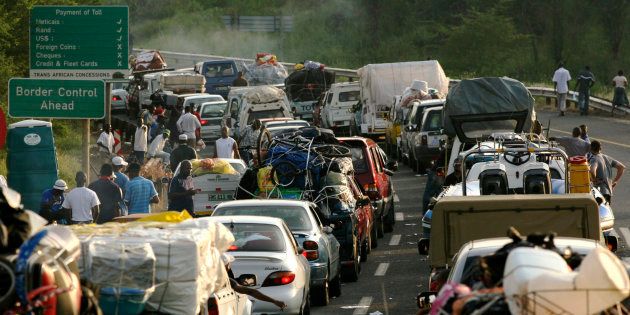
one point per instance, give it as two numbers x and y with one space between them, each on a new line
34 98
79 42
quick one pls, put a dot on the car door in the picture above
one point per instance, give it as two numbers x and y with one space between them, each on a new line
365 211
331 243
432 127
381 179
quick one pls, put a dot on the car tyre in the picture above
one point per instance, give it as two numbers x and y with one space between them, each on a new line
390 219
373 237
306 310
335 286
380 229
351 273
321 295
365 249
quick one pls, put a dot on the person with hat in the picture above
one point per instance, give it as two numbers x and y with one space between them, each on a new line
119 165
108 193
81 202
156 148
140 192
51 202
182 152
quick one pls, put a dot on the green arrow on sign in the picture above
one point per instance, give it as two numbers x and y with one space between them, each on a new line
70 99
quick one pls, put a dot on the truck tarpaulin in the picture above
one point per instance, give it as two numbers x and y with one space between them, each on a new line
478 106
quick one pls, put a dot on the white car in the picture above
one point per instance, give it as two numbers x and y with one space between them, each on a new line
211 114
120 99
197 99
268 259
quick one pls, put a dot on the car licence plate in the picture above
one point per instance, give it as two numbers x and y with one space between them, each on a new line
220 197
434 141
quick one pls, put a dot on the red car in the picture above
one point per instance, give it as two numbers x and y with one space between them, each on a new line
372 171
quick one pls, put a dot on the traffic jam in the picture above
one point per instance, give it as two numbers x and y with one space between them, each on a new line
249 187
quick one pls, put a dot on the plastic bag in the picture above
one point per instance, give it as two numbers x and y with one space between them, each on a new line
264 179
222 167
168 216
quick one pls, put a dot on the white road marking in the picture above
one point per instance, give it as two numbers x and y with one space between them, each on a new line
399 216
381 270
396 199
364 306
385 305
626 234
395 240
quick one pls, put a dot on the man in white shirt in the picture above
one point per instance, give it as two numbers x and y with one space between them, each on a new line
188 124
156 148
140 141
226 147
82 202
561 80
105 141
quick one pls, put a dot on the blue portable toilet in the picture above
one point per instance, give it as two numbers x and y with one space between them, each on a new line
31 160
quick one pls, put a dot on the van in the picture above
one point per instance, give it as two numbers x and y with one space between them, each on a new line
427 138
219 75
246 104
338 102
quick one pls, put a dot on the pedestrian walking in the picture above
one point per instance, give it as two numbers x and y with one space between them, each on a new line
81 202
171 124
119 165
601 170
249 140
620 98
140 192
140 141
181 190
105 142
584 133
240 80
156 149
182 152
52 199
574 145
226 147
585 81
108 193
561 80
188 124
147 116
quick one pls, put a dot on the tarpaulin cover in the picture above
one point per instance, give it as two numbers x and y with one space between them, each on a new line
381 82
308 84
264 94
298 158
485 97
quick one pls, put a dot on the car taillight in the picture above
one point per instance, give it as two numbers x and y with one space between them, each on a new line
310 250
423 140
213 308
232 248
116 98
370 187
204 122
279 278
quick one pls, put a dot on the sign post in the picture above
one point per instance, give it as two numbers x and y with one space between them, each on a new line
79 42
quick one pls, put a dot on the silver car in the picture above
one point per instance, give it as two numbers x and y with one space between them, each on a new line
268 258
211 114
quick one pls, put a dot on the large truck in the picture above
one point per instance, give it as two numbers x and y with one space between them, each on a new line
380 83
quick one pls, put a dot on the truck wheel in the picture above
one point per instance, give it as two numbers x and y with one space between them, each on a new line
264 141
321 294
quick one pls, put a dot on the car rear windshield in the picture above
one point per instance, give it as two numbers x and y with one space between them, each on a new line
217 70
358 160
350 96
275 113
213 110
295 217
434 121
256 237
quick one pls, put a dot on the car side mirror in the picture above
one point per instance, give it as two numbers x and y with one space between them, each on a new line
423 246
425 299
363 201
392 165
300 250
247 280
327 229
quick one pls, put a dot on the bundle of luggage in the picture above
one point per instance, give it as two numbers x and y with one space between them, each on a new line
265 71
211 166
308 82
147 60
154 266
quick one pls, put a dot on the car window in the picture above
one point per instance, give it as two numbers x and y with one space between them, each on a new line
275 113
234 109
329 98
256 237
349 96
410 116
295 216
433 121
356 191
316 215
358 160
377 160
240 168
213 110
218 70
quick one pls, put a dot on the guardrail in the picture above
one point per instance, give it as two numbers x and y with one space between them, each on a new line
186 60
594 102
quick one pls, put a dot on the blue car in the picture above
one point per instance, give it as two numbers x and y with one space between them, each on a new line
320 246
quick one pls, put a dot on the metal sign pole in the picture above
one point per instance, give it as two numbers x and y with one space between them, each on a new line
86 149
108 103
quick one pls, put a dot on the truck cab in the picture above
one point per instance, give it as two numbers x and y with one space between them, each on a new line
219 75
338 102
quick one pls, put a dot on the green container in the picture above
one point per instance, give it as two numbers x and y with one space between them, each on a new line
31 160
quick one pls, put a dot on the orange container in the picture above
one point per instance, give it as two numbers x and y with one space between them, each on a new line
579 175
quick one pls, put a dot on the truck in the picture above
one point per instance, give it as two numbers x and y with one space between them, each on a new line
219 75
304 88
380 83
337 104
